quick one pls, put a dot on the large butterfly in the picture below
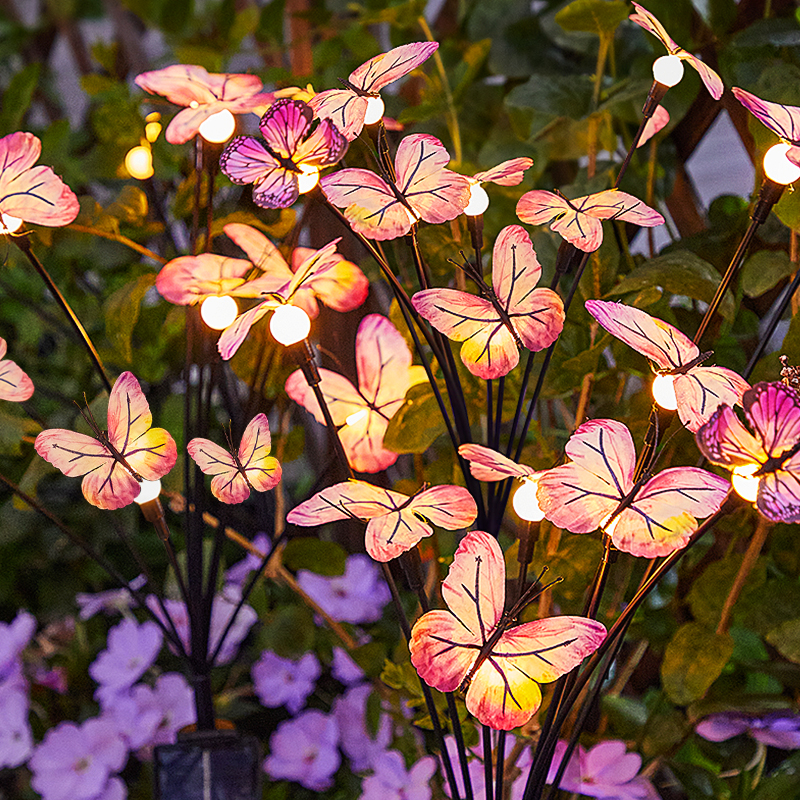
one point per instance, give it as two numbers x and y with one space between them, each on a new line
578 220
320 270
286 152
768 463
385 374
395 521
646 20
698 390
114 461
510 314
347 107
471 647
237 473
423 189
28 193
15 384
780 119
596 490
204 94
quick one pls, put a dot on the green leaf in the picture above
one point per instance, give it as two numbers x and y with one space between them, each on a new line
545 98
417 423
680 272
786 639
130 205
763 270
693 660
122 313
308 552
13 426
783 783
593 16
17 98
289 631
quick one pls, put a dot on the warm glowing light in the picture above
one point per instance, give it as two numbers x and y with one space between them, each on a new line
357 416
375 109
289 324
412 217
525 502
613 524
218 312
152 130
664 392
668 70
745 483
218 127
478 201
777 167
194 104
9 224
139 163
307 179
149 491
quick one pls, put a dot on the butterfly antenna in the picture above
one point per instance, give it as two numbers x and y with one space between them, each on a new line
531 593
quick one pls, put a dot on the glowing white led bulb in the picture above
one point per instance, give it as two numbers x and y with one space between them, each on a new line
478 200
777 167
9 224
664 392
218 127
218 312
357 416
149 491
525 503
744 482
289 324
374 112
139 162
307 179
668 70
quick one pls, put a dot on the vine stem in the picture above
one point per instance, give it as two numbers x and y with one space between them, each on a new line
25 246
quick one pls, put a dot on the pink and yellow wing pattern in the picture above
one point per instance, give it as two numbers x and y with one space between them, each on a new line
344 108
509 173
724 440
262 470
780 119
15 385
773 409
488 465
540 207
383 69
228 485
701 390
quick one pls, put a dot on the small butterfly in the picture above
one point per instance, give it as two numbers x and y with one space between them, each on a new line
347 107
698 390
646 20
423 189
385 374
509 315
114 461
780 119
204 94
15 385
472 648
237 473
578 220
286 152
321 273
768 462
488 465
28 193
596 490
508 173
395 521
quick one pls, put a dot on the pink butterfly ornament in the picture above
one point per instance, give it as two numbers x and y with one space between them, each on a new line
765 467
510 314
210 99
471 646
508 173
395 521
28 193
424 189
385 374
116 461
660 513
236 474
644 19
681 382
360 103
15 385
784 121
287 162
579 220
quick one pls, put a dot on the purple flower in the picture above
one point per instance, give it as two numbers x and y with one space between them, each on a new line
131 651
16 740
76 762
392 781
112 601
281 682
778 728
357 596
350 712
344 669
607 770
239 572
305 750
14 637
221 611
